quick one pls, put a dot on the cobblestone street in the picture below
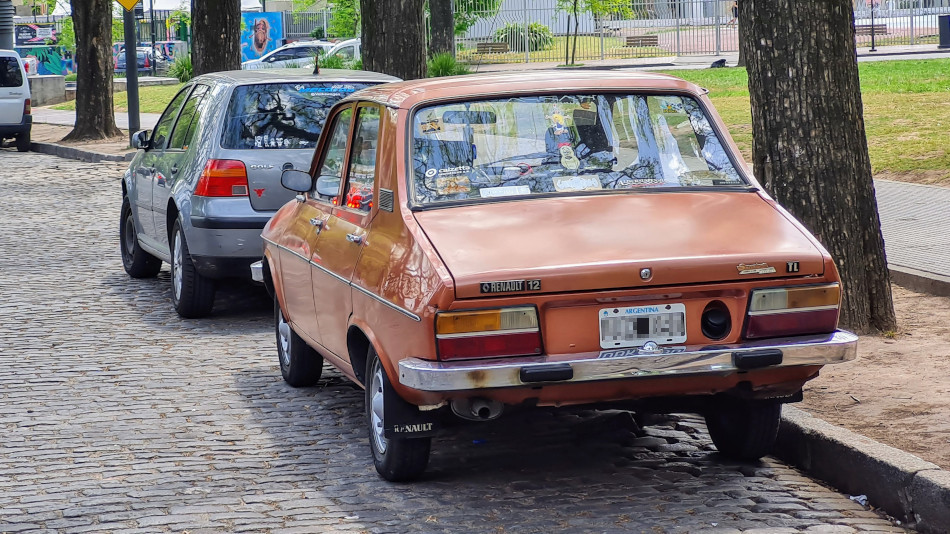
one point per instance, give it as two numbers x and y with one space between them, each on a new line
118 416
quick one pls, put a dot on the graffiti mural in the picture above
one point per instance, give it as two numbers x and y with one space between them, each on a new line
50 59
261 33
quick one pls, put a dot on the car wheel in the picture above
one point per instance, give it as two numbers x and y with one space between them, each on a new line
23 142
300 365
137 262
745 431
192 294
396 459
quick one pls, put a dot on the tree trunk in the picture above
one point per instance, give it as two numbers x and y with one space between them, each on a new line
442 25
740 30
92 23
809 146
394 37
576 27
216 35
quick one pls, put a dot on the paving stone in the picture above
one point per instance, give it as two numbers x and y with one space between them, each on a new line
121 417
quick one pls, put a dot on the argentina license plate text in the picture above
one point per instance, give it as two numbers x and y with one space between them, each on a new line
634 326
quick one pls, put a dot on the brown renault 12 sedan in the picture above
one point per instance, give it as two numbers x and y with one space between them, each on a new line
464 246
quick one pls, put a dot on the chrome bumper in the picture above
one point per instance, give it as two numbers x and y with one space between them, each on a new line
257 271
824 349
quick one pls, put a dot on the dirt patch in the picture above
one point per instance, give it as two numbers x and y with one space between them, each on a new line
898 389
53 133
931 177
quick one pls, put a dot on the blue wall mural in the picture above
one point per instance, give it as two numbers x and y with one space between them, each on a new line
262 33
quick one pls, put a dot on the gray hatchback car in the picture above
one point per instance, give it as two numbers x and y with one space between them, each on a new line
207 178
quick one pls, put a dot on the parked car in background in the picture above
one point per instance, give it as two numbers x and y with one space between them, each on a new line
296 54
16 120
461 247
143 57
348 50
207 178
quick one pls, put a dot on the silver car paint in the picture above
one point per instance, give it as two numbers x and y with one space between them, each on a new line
223 242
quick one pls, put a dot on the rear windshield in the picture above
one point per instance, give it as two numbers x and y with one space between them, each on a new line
285 115
10 75
566 144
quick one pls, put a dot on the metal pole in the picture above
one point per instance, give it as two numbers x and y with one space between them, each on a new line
601 41
872 28
151 28
677 13
913 36
527 41
718 23
131 72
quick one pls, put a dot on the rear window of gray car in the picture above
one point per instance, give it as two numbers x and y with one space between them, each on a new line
10 72
281 116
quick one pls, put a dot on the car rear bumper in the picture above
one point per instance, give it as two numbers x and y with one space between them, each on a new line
812 350
25 125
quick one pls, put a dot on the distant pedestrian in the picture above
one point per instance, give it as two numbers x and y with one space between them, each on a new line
735 14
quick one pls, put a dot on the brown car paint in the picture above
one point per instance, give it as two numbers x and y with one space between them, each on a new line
428 261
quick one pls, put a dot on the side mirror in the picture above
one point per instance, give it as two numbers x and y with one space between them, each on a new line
328 186
140 140
298 181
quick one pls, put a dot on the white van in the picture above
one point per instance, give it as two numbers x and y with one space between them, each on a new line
15 119
349 50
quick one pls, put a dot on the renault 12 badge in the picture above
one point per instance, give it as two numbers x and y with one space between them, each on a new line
510 286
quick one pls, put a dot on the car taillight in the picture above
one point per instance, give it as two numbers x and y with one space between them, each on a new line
785 311
488 333
27 107
147 64
222 178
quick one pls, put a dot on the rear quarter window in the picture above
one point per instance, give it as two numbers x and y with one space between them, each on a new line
281 116
10 74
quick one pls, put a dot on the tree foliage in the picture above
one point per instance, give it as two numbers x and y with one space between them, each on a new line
344 18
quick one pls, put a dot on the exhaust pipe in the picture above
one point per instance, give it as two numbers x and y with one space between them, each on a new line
477 409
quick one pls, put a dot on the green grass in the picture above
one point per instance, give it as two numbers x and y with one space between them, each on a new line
152 99
906 114
588 47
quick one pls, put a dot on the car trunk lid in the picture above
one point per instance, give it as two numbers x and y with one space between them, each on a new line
604 241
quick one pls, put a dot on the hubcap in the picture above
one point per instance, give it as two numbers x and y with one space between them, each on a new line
129 237
376 399
283 333
176 266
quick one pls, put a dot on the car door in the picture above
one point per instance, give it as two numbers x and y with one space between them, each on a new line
298 259
147 166
341 241
171 162
13 90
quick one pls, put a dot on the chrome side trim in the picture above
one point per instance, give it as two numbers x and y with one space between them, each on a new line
396 307
425 375
366 292
793 310
257 271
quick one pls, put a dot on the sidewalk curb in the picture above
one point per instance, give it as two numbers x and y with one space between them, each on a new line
920 281
908 488
69 152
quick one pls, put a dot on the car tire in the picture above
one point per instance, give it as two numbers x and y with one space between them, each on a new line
137 262
744 431
396 459
300 365
192 294
23 142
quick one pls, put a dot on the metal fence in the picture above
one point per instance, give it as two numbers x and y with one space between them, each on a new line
653 28
311 24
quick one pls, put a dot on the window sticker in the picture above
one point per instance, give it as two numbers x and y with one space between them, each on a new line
450 171
584 182
505 191
450 185
431 126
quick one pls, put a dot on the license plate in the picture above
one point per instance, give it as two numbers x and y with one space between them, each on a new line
634 326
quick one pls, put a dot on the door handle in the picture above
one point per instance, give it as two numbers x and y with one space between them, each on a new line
354 238
317 222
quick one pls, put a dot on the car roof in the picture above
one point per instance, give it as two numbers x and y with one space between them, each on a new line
409 93
240 77
9 53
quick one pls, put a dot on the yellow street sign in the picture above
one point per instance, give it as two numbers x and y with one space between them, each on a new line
128 4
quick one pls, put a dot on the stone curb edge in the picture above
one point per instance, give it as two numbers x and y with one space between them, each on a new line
69 152
906 487
920 281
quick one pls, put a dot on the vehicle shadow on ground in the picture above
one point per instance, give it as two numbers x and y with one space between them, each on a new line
559 463
241 302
